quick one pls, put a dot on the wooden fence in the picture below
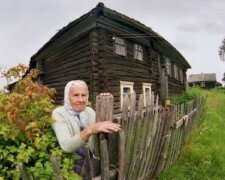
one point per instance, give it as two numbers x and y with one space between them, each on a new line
150 140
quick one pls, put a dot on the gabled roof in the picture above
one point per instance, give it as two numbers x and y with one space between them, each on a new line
202 77
101 16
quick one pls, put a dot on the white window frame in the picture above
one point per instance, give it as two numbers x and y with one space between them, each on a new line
175 69
181 75
138 52
146 86
120 46
125 84
168 66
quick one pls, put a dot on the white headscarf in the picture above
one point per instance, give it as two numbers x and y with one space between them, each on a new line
67 93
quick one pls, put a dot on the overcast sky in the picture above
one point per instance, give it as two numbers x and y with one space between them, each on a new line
194 27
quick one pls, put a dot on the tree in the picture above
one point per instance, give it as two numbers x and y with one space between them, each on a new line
223 79
222 50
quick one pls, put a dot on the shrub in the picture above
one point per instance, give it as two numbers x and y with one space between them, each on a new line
25 130
190 94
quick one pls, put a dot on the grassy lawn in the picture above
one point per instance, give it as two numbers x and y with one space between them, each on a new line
203 157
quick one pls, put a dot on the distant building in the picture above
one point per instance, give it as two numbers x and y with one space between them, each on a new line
206 81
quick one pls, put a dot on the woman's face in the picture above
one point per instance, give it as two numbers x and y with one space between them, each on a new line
78 97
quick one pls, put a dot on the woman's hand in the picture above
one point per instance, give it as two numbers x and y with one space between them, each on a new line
106 127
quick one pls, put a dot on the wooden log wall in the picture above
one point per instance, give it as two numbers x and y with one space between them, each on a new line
175 86
91 57
116 68
71 61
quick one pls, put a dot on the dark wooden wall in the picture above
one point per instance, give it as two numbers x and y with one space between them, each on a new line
175 86
91 58
70 62
110 68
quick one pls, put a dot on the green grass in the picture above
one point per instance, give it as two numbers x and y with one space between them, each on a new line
203 157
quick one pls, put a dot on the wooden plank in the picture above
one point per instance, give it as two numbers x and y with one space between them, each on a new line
23 173
121 156
167 136
184 119
158 144
104 160
138 136
88 163
112 173
141 157
146 152
125 107
129 133
151 140
104 108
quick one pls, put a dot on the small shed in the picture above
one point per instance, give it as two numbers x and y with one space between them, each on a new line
112 53
207 80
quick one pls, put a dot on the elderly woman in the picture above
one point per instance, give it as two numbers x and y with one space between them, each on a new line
74 122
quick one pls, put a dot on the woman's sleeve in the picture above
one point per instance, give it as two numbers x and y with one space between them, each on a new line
67 142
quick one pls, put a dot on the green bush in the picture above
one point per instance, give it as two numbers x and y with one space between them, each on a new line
190 94
25 132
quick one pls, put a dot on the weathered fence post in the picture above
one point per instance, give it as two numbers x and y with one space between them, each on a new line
128 137
23 173
121 155
167 134
56 168
104 108
122 137
88 161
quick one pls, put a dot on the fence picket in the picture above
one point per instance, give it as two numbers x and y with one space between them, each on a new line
121 156
129 133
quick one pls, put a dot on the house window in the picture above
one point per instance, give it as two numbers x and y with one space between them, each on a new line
125 88
120 47
175 71
138 52
168 67
181 75
147 89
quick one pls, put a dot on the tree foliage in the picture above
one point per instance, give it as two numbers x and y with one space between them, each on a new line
223 79
222 50
25 130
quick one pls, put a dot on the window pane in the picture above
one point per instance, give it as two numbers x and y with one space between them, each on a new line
181 75
120 50
126 90
120 47
147 90
168 67
175 71
119 41
126 87
138 52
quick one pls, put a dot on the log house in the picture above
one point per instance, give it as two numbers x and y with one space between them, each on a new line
112 53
